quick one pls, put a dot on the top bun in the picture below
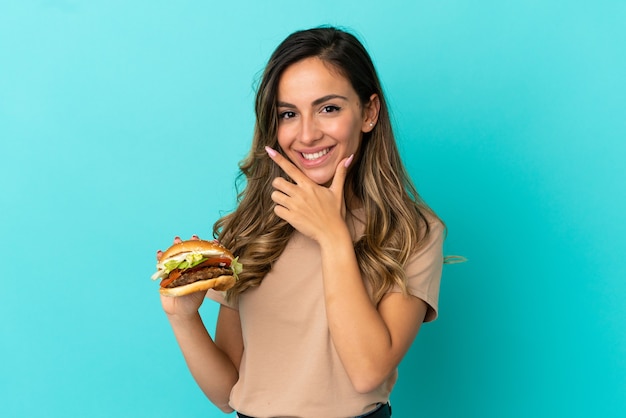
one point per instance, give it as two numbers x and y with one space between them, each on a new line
204 247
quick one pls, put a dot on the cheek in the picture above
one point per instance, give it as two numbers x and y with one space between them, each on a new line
283 136
348 133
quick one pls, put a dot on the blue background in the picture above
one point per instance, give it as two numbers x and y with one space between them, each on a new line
121 125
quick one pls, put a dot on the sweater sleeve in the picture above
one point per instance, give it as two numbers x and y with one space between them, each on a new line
220 298
423 271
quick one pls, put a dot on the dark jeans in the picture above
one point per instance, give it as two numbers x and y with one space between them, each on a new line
383 411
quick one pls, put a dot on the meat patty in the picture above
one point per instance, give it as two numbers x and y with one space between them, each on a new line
201 273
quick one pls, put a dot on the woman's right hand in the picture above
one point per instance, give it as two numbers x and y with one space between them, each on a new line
181 305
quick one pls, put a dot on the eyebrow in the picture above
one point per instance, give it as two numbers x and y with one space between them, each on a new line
316 102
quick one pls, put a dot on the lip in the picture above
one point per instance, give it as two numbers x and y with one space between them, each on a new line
318 161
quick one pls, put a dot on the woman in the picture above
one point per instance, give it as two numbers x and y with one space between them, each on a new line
342 260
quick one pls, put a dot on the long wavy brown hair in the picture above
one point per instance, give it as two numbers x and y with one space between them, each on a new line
396 219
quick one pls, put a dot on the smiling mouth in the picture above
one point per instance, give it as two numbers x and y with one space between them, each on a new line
315 155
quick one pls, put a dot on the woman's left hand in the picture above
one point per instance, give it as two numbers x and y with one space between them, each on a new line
310 208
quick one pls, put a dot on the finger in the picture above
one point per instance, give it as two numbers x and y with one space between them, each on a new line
282 212
288 167
340 174
159 254
177 240
195 237
284 186
280 199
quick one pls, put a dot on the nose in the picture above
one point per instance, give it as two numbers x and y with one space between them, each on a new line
310 131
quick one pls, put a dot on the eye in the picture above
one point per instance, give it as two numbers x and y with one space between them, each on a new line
330 109
286 115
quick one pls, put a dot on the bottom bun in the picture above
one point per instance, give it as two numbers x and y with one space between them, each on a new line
220 283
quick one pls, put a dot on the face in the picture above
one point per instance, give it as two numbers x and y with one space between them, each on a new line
321 119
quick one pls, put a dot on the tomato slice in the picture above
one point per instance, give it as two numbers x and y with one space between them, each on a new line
174 274
215 261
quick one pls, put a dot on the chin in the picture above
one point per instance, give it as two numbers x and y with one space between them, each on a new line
321 180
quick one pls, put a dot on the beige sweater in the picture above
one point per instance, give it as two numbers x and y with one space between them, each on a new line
290 367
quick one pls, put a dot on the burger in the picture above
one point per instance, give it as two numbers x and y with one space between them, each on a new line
195 265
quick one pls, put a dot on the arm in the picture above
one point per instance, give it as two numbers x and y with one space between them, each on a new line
213 364
370 341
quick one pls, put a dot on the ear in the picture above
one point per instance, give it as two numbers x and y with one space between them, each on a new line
370 113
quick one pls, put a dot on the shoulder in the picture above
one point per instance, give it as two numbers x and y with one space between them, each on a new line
429 249
430 227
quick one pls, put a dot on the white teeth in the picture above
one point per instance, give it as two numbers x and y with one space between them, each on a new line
315 155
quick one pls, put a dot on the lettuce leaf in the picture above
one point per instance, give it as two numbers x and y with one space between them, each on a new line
237 267
191 260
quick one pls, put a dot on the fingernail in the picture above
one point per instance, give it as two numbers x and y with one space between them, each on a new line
194 236
270 151
348 161
177 239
